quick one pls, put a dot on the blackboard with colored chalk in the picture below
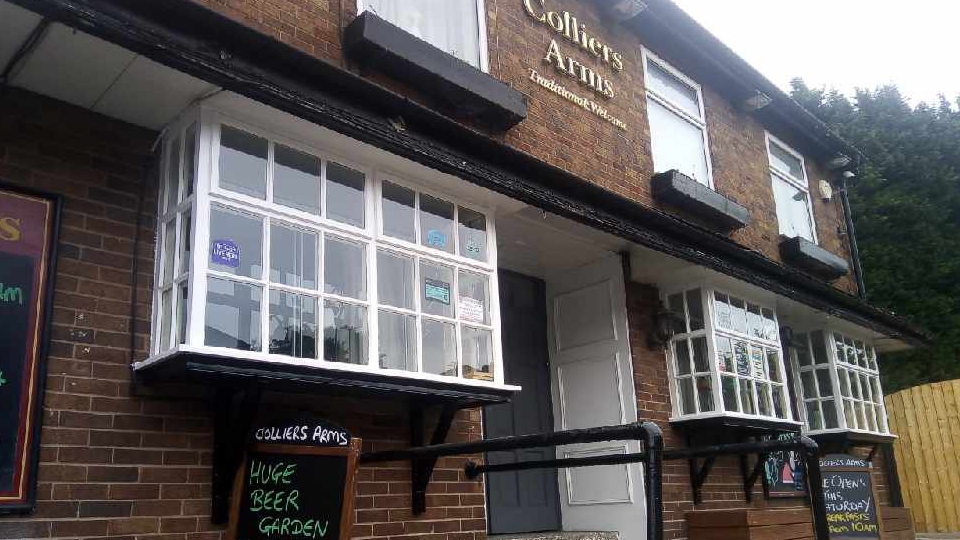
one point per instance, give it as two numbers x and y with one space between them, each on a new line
851 502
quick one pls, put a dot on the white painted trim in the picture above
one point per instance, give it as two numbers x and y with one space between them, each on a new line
609 449
700 123
803 186
482 45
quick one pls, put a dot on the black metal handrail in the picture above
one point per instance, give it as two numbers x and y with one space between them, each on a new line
646 432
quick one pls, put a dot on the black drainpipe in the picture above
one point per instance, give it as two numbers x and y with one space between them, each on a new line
852 237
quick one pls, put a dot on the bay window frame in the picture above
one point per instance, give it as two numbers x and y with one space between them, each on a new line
711 331
208 193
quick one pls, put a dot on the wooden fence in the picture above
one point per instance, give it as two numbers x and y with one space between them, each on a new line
928 453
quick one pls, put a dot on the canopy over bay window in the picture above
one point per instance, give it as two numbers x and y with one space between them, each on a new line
282 254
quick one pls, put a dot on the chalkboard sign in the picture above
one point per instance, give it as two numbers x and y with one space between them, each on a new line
28 223
783 471
297 482
850 500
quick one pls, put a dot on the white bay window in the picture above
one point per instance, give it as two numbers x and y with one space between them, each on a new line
453 26
726 358
302 257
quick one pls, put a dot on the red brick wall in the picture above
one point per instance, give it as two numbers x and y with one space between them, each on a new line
565 135
124 462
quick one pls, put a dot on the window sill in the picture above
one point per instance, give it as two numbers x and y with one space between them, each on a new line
209 365
731 421
375 43
678 189
812 258
849 437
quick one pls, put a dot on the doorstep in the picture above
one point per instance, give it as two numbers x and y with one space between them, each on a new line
565 535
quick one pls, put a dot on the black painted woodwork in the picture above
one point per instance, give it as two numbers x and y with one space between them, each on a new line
812 258
681 191
379 45
529 500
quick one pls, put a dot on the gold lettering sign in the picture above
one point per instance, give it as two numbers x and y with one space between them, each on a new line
569 28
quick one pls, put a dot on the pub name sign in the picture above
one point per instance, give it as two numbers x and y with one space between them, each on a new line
569 28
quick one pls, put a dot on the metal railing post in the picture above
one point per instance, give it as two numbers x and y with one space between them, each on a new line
811 458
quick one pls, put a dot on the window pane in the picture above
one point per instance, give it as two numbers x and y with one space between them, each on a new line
725 354
814 419
773 365
236 243
436 223
395 279
474 300
738 313
878 418
344 333
849 414
819 347
169 253
695 310
803 350
450 25
399 212
769 325
439 348
344 268
824 383
729 387
678 93
436 283
765 403
755 322
877 394
293 325
473 234
166 312
293 257
779 402
675 305
190 158
830 414
687 404
676 143
746 397
182 305
757 361
785 162
700 362
296 179
683 357
807 382
186 224
724 315
793 210
705 394
243 162
742 358
477 353
398 341
172 184
232 317
844 382
345 194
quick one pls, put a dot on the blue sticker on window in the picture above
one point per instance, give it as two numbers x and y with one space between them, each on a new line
436 290
225 252
436 239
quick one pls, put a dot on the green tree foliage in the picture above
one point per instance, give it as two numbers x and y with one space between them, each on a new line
906 207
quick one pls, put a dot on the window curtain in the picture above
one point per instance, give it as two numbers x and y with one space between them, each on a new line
450 25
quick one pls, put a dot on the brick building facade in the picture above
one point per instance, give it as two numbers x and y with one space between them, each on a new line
129 452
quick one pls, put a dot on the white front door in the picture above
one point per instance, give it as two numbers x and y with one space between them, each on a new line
592 385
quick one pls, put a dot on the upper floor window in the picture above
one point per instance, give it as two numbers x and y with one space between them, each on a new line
791 191
839 383
678 129
284 253
454 26
726 357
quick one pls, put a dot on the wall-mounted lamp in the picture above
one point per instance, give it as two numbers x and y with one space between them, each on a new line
666 323
849 175
838 162
756 102
624 10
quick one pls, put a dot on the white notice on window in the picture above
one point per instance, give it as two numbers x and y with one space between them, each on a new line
471 309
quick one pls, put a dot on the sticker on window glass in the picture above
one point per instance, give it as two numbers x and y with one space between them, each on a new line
471 309
436 290
225 252
472 247
436 239
742 357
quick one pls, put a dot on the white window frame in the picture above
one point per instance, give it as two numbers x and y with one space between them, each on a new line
838 400
484 62
803 185
700 123
208 192
712 332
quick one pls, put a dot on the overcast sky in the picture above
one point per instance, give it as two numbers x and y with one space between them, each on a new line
843 43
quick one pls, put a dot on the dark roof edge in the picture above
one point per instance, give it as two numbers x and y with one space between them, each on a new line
687 30
189 37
